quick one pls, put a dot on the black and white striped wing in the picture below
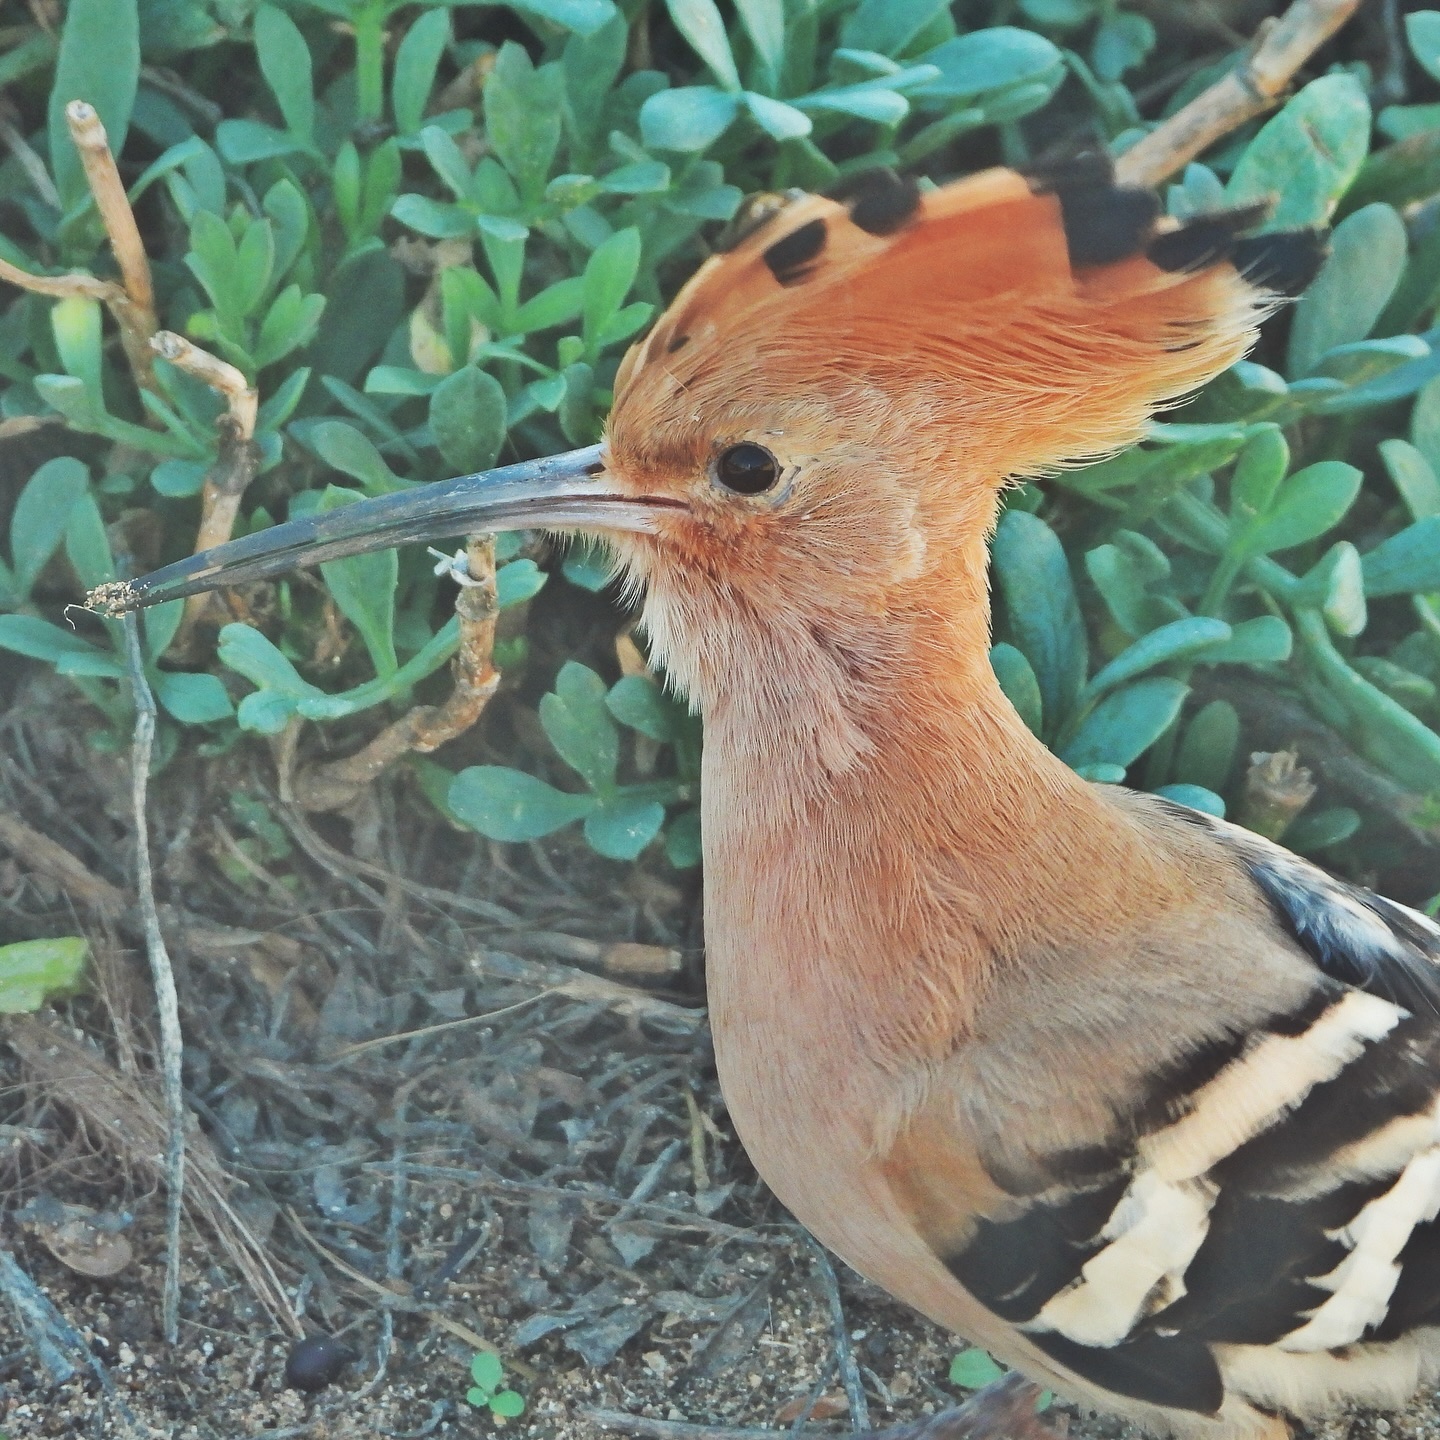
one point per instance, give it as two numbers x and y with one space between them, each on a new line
1274 1237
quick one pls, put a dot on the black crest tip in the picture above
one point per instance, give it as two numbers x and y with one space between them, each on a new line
1285 262
1104 222
790 258
881 202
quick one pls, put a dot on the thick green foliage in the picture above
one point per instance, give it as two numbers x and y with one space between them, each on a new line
428 244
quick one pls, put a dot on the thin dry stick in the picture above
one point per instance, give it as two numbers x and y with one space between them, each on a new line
1251 88
426 727
167 1002
106 186
133 303
844 1356
234 467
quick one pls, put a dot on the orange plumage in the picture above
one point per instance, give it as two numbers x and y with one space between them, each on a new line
1132 1098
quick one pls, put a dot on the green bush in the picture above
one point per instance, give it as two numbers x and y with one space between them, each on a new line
428 232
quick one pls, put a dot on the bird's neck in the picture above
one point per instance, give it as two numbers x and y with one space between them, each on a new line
878 821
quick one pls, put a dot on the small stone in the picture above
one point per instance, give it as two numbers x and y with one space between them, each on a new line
315 1362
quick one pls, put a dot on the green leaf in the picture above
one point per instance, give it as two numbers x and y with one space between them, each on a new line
1422 30
41 513
682 839
254 261
764 22
579 726
31 971
888 26
75 323
1207 750
1321 830
986 62
247 142
1021 687
467 418
557 304
1034 578
589 567
974 1369
689 119
352 453
246 651
40 640
214 263
584 17
433 218
1380 727
99 62
1309 503
1336 585
161 623
1265 640
178 478
523 116
1151 466
87 547
363 586
416 62
289 324
1121 43
700 23
621 826
1367 256
637 701
1306 156
1126 723
1259 470
505 804
1175 641
487 1370
1405 564
1414 479
1196 797
446 160
784 122
290 215
517 582
285 63
193 699
609 274
507 1403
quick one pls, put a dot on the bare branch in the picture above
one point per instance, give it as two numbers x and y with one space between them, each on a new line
1253 87
137 320
426 727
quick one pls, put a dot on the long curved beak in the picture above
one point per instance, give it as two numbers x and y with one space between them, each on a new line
562 492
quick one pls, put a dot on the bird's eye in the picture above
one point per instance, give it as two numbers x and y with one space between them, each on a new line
747 469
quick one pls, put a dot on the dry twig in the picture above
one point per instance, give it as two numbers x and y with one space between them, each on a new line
1251 88
133 303
119 1109
172 1043
426 727
235 465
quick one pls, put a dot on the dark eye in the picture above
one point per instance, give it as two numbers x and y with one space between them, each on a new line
747 469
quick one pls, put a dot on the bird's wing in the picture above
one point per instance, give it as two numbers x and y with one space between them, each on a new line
1259 1221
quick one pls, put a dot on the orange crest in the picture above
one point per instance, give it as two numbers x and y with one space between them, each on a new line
1039 318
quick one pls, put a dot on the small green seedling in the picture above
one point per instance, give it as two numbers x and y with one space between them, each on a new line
487 1371
974 1369
33 971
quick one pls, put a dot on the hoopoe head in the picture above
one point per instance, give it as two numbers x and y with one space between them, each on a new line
820 424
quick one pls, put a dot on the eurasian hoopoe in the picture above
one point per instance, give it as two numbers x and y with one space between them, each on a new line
1139 1102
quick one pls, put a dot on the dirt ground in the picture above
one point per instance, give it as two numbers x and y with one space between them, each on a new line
444 1095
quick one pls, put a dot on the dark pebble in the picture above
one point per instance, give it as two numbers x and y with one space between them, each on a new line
316 1362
